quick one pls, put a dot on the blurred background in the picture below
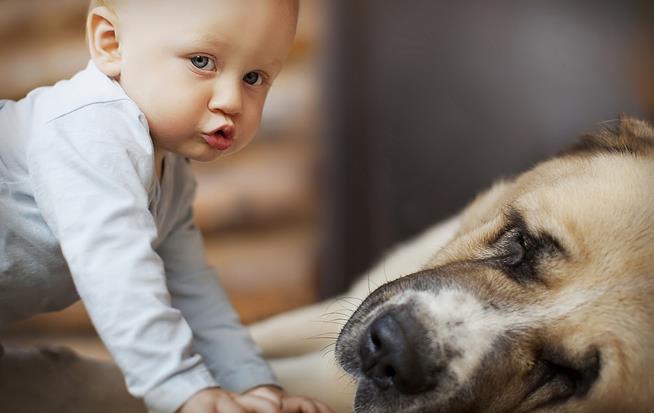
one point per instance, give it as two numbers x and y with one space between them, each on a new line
388 117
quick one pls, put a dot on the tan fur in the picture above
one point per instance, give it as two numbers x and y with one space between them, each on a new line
597 201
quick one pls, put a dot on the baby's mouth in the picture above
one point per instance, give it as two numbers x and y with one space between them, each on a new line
220 139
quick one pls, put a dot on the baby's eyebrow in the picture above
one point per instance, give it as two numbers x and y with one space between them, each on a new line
209 40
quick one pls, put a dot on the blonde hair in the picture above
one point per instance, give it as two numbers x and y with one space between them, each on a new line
295 4
111 5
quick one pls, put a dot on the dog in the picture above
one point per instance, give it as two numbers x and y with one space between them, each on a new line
538 297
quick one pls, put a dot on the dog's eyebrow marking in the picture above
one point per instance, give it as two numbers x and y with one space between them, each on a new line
515 219
542 239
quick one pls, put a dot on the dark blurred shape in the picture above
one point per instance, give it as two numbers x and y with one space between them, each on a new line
431 101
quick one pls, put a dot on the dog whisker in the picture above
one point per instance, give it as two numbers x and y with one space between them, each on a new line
338 322
349 303
347 315
326 348
351 297
321 337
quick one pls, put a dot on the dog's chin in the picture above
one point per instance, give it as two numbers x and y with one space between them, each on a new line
370 399
367 399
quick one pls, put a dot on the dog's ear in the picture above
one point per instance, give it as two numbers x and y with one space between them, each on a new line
624 135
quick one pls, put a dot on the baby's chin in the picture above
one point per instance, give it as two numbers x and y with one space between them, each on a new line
211 155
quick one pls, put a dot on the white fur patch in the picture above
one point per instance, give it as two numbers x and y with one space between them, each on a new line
459 321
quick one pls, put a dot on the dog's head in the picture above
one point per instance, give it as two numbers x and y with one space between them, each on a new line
543 301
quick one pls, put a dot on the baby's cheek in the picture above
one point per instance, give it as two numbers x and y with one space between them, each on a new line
174 106
173 120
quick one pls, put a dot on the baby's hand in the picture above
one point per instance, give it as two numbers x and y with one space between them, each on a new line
287 404
300 404
217 400
264 399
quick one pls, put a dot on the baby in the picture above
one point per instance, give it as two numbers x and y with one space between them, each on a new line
96 191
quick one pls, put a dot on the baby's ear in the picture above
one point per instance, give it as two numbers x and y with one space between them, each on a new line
101 27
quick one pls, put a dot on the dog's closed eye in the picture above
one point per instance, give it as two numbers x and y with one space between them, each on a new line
519 253
515 249
516 255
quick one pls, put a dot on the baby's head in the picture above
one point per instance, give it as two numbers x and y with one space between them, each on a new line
199 70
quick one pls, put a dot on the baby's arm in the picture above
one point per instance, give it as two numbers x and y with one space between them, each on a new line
225 344
228 351
90 187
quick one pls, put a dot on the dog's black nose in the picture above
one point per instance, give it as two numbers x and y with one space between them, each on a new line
392 352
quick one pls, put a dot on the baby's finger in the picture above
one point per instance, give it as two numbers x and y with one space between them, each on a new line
255 404
266 393
227 405
299 405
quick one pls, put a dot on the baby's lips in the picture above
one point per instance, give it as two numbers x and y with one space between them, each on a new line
227 131
218 141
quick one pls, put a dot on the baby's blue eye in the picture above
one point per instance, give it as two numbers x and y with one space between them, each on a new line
253 78
203 62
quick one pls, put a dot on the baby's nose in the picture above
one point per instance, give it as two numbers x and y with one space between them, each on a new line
227 98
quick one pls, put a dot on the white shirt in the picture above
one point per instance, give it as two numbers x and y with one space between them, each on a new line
81 211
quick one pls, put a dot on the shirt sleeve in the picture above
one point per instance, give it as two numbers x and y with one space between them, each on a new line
90 184
226 346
